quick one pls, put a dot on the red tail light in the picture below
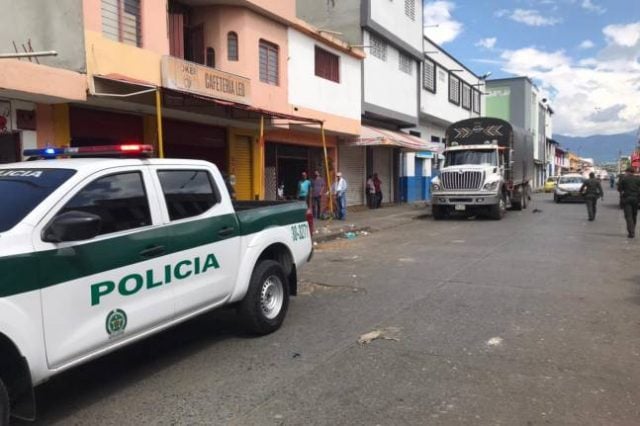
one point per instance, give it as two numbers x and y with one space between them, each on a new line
310 220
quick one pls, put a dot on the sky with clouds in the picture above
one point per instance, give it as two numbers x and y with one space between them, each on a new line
584 55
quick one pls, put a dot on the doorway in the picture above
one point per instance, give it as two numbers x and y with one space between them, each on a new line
289 173
10 148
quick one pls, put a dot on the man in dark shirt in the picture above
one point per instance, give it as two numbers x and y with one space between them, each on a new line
591 190
629 187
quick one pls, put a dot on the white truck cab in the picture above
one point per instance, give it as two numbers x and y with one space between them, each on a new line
97 253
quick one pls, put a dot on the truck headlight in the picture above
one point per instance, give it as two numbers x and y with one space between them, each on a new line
435 187
491 186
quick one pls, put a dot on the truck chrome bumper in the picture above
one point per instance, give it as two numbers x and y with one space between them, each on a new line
479 199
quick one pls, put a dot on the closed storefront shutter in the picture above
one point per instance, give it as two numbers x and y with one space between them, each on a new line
241 167
383 166
352 162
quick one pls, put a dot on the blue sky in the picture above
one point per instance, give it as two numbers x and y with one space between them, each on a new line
584 55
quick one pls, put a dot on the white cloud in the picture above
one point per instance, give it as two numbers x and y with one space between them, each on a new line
533 18
576 89
487 43
587 44
623 35
439 13
591 7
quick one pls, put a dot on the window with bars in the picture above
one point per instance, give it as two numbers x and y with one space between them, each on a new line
269 63
410 9
378 47
405 63
476 101
121 21
232 46
466 96
429 75
327 65
454 89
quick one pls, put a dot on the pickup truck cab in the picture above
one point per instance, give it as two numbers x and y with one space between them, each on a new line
97 253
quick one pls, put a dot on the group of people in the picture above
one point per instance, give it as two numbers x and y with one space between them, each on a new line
629 188
312 191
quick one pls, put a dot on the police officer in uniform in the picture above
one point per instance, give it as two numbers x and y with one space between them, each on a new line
592 190
629 187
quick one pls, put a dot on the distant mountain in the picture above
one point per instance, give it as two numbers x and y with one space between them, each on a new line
602 148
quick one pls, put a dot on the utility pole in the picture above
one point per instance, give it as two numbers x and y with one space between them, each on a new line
619 161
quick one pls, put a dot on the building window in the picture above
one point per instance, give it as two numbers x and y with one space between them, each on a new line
454 89
378 47
211 57
121 21
269 63
405 63
232 46
466 96
327 65
410 9
429 75
476 101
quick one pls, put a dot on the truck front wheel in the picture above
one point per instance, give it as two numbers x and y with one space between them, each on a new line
438 212
4 405
497 211
265 305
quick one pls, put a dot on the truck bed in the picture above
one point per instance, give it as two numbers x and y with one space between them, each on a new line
255 216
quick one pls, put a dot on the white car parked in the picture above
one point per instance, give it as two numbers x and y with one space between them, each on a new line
568 188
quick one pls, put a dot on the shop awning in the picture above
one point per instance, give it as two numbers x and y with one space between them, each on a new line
375 136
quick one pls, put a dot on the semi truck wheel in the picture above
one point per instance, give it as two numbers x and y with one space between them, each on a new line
4 405
438 212
265 305
497 211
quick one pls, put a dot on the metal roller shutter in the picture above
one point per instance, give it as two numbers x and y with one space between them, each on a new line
352 162
383 166
242 166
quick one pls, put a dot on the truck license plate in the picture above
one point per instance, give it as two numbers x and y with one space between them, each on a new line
460 207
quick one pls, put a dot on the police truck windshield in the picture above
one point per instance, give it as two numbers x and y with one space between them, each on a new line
23 189
471 156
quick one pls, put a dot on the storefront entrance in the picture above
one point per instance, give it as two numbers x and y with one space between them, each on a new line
10 148
283 166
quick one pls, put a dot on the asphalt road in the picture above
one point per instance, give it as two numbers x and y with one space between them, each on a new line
531 320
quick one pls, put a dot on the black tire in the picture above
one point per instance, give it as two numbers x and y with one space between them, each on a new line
497 211
438 212
4 405
556 199
265 305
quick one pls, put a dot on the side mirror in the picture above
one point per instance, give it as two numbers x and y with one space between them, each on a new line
72 226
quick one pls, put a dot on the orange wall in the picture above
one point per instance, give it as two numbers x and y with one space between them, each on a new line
219 21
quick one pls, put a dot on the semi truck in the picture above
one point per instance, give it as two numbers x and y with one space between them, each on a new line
488 167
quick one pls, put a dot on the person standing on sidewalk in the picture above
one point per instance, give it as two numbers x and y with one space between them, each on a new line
340 194
591 190
318 188
629 187
377 185
371 192
304 187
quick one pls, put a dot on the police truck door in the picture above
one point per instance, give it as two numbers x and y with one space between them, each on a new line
110 287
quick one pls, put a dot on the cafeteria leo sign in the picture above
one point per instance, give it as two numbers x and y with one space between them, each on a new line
200 80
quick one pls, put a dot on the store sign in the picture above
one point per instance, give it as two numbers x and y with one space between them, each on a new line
424 154
5 117
205 81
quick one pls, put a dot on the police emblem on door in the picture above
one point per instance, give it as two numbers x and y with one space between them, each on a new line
116 322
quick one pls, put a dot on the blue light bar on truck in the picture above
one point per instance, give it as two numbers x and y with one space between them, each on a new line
89 151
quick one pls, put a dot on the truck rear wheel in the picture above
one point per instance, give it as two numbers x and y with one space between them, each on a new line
265 305
4 405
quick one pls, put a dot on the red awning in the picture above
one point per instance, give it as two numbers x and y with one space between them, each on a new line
375 136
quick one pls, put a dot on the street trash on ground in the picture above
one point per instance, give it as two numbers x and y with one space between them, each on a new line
350 235
494 341
388 333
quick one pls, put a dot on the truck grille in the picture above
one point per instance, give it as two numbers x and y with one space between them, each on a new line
461 181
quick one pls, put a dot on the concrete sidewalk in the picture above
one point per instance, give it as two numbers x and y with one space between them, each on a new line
361 220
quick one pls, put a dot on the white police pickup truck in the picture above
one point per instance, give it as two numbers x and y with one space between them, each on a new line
98 253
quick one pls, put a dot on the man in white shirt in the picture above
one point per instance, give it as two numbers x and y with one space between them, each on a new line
340 193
